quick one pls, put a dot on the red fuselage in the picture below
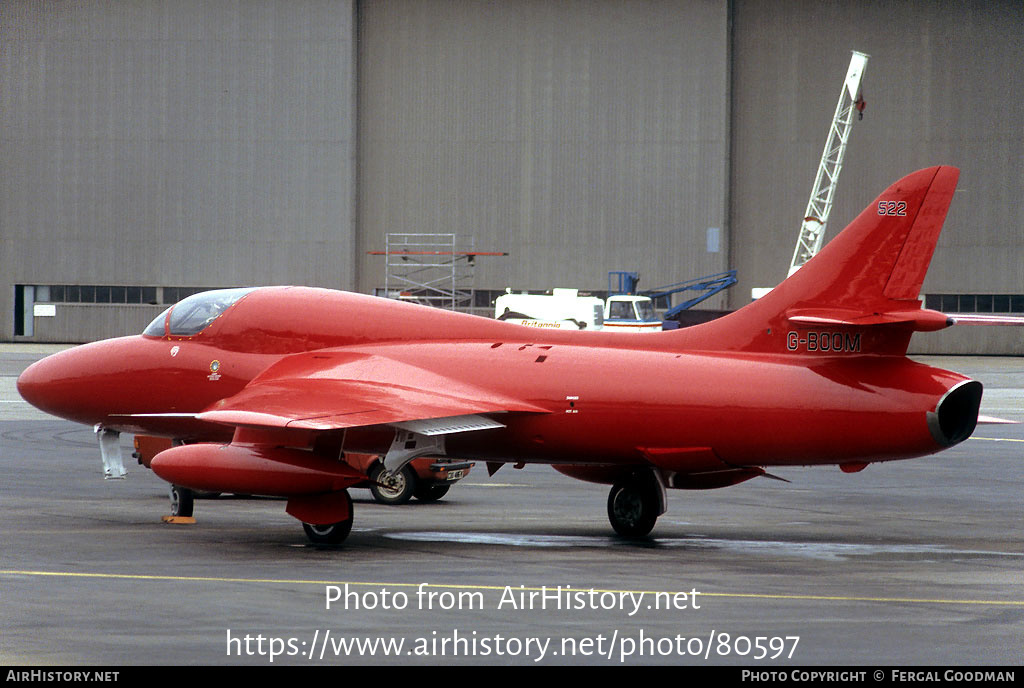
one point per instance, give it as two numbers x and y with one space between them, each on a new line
266 389
608 398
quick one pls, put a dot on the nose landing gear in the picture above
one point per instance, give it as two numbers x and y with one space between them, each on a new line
182 501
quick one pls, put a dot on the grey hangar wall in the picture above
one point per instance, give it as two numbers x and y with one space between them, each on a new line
176 145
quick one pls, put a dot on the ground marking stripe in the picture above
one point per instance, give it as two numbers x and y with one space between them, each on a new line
458 586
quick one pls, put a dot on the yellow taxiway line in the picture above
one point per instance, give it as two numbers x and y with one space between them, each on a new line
469 586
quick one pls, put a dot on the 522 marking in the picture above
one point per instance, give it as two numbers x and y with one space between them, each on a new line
895 208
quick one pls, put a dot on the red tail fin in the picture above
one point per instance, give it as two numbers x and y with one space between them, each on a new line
859 295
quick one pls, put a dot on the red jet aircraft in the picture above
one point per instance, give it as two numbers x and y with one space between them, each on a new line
264 389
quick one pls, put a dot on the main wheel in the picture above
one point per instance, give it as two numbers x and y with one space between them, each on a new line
182 501
392 488
330 533
632 508
431 492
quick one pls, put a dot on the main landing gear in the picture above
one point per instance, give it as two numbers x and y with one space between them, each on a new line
392 488
398 487
635 502
330 533
431 493
183 499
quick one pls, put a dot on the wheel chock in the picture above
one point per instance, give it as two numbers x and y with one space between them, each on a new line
180 520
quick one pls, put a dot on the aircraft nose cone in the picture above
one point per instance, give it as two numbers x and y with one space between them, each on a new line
92 382
74 384
36 386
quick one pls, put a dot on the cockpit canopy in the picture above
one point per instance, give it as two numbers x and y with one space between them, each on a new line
192 315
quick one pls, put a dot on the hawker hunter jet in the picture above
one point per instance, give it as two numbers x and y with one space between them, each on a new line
265 390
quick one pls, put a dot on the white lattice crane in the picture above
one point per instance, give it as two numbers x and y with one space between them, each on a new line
812 231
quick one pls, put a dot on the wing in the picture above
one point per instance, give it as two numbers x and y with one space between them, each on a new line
278 414
331 390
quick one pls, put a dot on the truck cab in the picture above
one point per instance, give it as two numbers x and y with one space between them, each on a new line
629 313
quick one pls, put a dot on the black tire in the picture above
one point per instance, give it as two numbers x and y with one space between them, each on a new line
330 533
431 492
632 508
182 501
392 488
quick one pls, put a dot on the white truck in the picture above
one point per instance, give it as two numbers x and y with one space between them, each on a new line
631 313
566 309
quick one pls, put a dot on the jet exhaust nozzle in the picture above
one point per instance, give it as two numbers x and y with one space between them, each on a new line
956 414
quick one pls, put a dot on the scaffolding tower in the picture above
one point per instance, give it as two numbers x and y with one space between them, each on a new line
430 269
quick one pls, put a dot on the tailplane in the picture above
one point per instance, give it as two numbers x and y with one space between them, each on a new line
859 295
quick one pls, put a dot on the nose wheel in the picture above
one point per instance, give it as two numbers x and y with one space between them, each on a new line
182 501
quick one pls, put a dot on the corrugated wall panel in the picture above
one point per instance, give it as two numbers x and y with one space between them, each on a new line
176 143
581 137
90 323
213 142
943 86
